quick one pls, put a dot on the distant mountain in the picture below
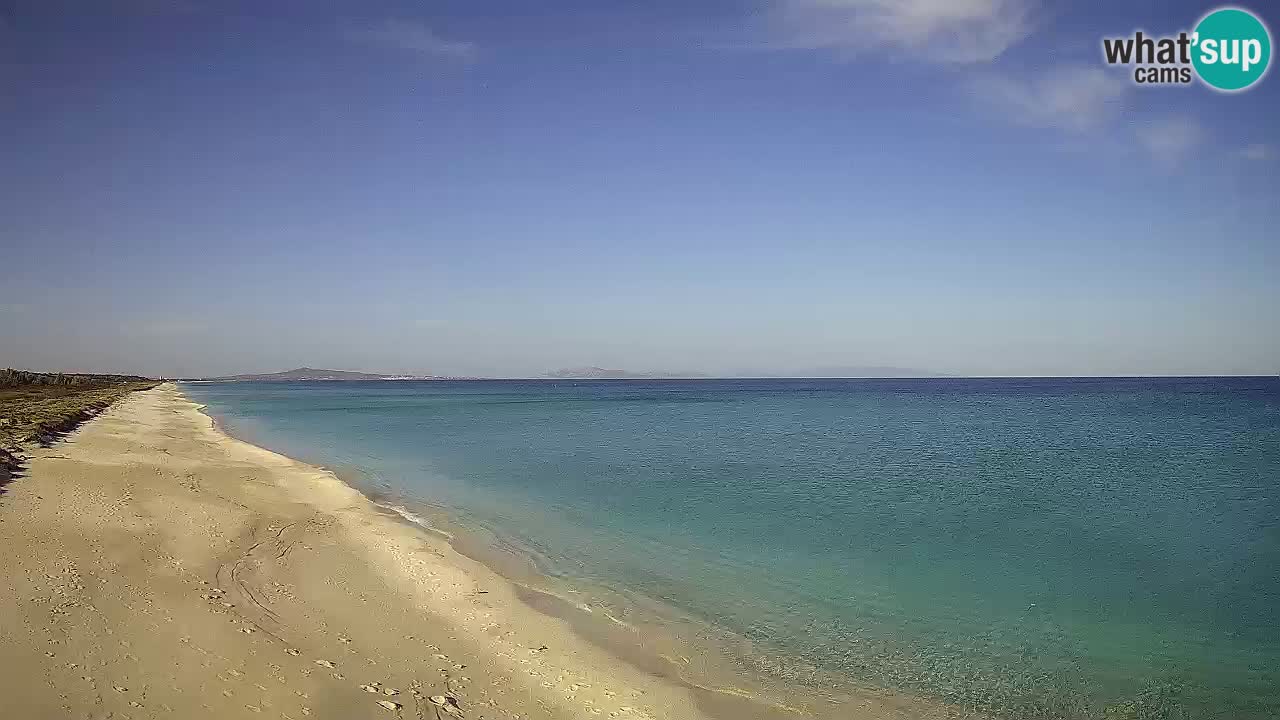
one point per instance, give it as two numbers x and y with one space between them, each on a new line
599 373
314 374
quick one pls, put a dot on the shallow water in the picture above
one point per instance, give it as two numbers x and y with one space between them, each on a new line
1035 548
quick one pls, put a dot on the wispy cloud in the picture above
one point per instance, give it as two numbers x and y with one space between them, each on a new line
1170 140
1087 102
1071 98
414 38
941 31
1082 100
1257 152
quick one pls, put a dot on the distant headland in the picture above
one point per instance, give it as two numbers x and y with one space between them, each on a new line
306 373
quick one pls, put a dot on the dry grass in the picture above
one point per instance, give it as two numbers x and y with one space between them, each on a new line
40 407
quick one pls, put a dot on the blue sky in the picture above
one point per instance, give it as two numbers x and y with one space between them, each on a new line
504 188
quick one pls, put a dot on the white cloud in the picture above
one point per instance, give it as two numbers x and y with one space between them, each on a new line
1170 140
945 31
1073 98
1086 101
1257 151
415 38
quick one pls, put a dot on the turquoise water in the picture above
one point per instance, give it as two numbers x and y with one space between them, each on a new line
1091 548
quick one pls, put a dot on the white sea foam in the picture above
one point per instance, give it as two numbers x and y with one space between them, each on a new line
414 518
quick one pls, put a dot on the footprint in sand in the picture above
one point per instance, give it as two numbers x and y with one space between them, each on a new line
447 703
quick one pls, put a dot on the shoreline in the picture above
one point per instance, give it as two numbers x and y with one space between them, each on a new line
163 568
653 635
483 573
719 685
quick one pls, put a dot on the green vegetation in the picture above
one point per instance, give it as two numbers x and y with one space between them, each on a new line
39 407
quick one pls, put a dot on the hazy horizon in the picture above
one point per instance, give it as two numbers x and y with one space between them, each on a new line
871 373
724 187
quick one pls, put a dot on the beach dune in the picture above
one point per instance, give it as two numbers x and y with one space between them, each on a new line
155 567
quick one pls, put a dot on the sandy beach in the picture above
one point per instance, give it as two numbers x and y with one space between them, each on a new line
155 567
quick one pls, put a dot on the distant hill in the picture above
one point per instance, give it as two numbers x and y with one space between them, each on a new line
314 374
599 373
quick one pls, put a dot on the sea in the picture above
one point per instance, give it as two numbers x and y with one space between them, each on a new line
1020 548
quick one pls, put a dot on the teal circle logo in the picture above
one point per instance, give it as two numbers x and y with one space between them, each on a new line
1232 49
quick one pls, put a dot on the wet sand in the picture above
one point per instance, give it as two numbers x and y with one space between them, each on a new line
156 567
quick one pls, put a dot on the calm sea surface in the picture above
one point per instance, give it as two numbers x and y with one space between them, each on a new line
1091 548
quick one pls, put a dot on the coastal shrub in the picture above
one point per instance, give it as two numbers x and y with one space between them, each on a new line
39 407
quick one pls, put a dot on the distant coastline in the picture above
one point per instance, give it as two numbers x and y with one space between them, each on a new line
602 374
307 374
